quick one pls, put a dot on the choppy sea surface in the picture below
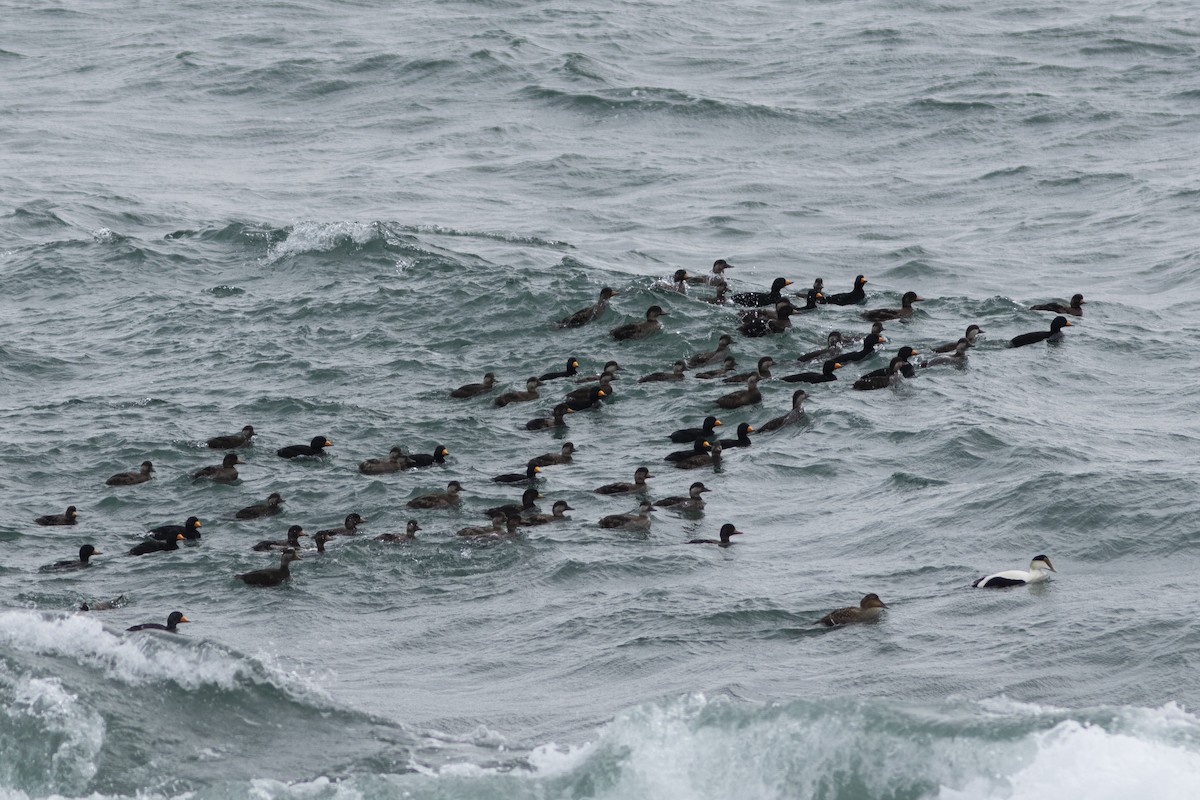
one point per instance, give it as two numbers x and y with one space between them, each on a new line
318 218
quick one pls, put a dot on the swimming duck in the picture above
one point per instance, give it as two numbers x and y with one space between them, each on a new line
395 462
528 476
812 299
530 393
677 283
316 447
551 459
891 376
716 278
495 529
972 333
640 330
555 421
1052 335
726 367
585 315
701 460
868 610
1075 309
870 342
103 605
639 484
763 371
743 436
271 577
293 540
569 372
727 530
905 310
693 501
557 515
676 374
876 329
764 326
705 431
321 539
698 446
65 518
610 372
131 478
528 503
233 441
155 546
833 346
410 533
85 552
268 509
763 298
745 397
173 620
711 356
475 389
790 418
630 522
438 499
766 312
590 400
904 354
956 359
349 526
438 456
824 376
852 297
1039 570
189 530
225 472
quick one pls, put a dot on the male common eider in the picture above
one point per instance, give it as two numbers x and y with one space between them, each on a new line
1039 570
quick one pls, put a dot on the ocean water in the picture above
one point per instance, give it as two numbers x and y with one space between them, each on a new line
319 218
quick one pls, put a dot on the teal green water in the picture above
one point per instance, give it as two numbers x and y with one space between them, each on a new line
318 220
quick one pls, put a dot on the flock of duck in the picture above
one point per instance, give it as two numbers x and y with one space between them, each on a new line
761 314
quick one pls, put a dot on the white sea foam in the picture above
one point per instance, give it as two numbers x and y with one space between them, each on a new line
134 660
48 738
319 237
